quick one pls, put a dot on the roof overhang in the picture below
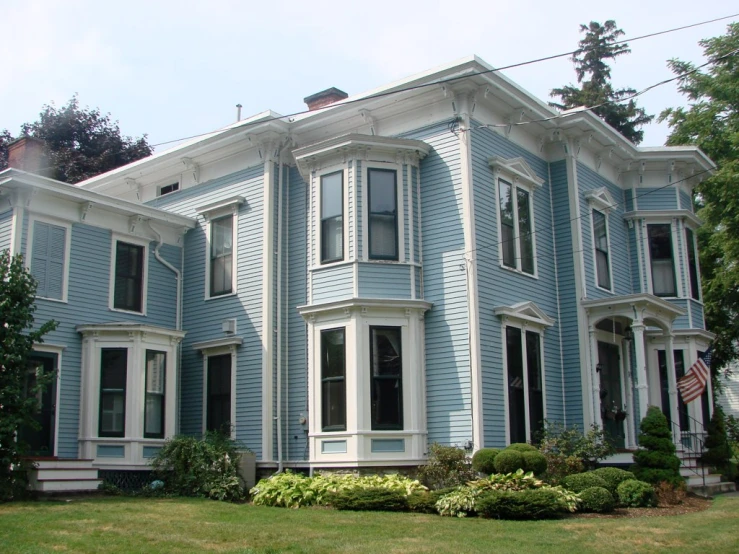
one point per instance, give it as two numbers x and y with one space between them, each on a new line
689 217
634 307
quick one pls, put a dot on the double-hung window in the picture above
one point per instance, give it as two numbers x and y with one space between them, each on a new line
333 380
602 259
154 395
692 264
221 256
383 214
525 384
386 366
662 261
332 217
129 277
113 370
516 227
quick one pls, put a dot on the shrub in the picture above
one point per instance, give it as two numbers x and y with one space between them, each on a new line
560 466
521 447
613 476
668 494
717 452
483 460
636 494
517 481
527 504
206 467
588 447
508 461
534 461
370 499
423 502
655 461
447 466
581 481
597 500
458 503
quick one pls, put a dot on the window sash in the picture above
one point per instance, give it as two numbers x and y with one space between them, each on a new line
386 363
507 227
221 256
535 385
692 265
525 237
332 217
525 384
129 277
112 410
516 228
154 394
383 214
600 239
333 380
662 260
218 401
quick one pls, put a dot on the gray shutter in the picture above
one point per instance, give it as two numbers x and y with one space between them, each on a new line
39 257
47 259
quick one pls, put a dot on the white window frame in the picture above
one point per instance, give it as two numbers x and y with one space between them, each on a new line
686 251
160 187
519 175
138 241
399 208
219 347
674 229
344 170
602 201
67 246
215 211
57 350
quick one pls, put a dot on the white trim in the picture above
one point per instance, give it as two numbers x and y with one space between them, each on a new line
516 231
57 350
221 207
519 172
344 170
525 313
606 216
32 219
600 199
267 334
217 216
224 349
137 241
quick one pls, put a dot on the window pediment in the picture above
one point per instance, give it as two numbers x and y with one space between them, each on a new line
525 312
657 216
221 207
600 199
517 170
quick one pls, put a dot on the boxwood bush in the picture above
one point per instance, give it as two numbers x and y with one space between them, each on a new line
508 461
596 500
483 460
521 447
636 494
581 481
527 504
534 461
613 477
371 499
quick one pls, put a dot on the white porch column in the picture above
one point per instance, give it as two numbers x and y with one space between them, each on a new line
672 389
630 408
642 387
594 377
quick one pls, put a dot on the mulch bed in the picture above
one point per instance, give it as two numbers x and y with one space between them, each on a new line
689 505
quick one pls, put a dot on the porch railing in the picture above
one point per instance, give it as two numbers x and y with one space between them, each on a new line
692 444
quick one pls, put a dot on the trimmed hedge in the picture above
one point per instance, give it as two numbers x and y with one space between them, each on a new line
534 461
581 481
483 460
596 500
613 477
424 502
526 504
636 494
376 499
521 447
508 461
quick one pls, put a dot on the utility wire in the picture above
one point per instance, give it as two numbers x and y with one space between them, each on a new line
450 80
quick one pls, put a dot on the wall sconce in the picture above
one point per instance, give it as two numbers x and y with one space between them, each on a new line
598 367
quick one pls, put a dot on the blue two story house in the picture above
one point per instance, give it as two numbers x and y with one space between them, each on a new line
444 259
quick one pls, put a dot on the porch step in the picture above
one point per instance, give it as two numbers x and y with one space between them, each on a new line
713 489
63 475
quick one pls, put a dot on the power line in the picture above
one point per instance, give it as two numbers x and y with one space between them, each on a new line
452 79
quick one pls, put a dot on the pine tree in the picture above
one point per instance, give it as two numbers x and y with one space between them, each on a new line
717 452
656 461
599 45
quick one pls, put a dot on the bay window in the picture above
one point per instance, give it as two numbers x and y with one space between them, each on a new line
383 214
113 371
333 380
662 262
154 394
387 378
332 217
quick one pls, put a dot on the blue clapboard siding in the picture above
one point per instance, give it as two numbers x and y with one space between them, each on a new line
416 225
87 303
696 311
502 287
686 202
448 397
617 229
634 257
656 198
629 200
378 280
202 318
333 283
6 229
682 321
296 339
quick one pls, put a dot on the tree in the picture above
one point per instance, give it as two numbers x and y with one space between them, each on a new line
18 402
656 461
711 122
717 452
599 45
81 142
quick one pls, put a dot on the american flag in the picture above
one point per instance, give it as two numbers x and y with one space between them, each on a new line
693 383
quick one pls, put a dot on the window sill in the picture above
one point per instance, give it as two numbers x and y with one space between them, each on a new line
119 310
519 272
57 300
230 294
609 291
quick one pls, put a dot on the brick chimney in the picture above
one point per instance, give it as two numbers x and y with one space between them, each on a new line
324 98
29 154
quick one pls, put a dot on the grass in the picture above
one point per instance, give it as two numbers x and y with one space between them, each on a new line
188 525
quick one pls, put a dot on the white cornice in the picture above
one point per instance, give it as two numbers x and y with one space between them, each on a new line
600 199
127 327
352 303
690 218
525 311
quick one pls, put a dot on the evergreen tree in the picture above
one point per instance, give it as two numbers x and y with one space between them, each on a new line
598 46
717 452
656 461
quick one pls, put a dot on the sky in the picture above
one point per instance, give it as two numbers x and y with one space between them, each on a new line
173 69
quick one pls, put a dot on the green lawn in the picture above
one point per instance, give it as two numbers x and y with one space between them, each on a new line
189 525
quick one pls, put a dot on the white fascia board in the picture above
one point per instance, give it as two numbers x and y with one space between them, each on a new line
265 121
213 344
129 327
693 220
16 179
308 310
642 299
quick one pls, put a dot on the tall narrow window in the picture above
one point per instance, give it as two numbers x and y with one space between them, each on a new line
221 256
692 264
660 253
47 259
516 394
129 277
156 369
516 227
387 378
383 214
113 366
332 217
600 237
333 380
525 384
218 401
535 385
